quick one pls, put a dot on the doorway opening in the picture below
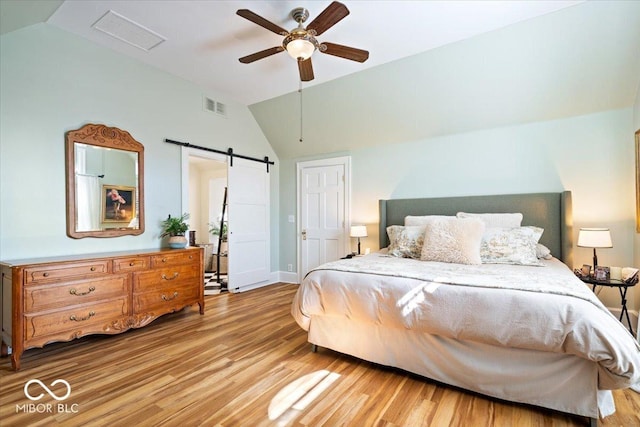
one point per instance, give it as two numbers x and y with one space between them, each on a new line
207 184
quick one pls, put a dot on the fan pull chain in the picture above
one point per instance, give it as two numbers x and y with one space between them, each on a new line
300 92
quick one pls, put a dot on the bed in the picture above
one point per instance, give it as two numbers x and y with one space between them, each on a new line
531 334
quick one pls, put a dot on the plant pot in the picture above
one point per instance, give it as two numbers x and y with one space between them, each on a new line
177 242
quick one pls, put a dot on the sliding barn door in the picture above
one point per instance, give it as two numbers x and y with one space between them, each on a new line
249 238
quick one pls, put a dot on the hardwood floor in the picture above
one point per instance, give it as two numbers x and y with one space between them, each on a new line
245 363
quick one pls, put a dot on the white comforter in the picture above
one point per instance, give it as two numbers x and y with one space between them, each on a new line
540 308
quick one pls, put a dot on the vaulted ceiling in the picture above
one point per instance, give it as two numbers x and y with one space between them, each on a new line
576 61
435 67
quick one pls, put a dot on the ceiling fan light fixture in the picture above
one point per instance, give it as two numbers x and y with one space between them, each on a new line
300 47
300 43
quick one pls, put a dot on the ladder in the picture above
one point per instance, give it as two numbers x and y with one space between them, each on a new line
224 283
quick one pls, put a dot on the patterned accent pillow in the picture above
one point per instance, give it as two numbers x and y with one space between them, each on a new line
507 220
406 242
515 246
455 240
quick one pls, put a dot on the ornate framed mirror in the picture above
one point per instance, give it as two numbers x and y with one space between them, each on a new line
105 182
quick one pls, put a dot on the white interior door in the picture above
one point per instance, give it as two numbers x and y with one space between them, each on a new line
248 236
323 211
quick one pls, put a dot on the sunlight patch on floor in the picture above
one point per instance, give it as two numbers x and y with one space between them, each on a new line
299 393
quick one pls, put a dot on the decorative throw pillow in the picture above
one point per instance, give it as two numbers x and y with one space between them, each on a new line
543 252
491 220
511 246
413 220
455 240
405 242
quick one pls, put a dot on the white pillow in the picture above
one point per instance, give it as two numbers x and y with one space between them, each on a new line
507 220
515 246
543 252
453 240
413 220
405 242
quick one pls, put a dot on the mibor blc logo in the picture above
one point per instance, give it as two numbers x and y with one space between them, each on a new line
47 389
56 392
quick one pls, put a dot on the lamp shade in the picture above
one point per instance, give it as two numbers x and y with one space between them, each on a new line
594 238
300 48
358 231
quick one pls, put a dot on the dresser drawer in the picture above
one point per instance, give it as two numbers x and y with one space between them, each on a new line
165 300
164 278
75 321
57 272
122 265
46 297
177 258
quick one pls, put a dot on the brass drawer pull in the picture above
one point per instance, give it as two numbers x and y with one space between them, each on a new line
164 260
164 276
131 264
166 298
75 319
93 269
46 274
73 291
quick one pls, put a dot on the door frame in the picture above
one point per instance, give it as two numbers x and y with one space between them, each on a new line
345 161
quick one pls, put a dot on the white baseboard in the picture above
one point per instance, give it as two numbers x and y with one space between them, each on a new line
288 277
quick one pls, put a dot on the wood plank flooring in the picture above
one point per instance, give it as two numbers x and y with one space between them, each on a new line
245 363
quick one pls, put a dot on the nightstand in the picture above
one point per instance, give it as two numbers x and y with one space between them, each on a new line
623 287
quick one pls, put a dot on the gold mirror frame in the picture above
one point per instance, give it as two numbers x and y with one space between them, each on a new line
638 181
111 138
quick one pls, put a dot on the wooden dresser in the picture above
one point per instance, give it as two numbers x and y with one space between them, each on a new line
63 298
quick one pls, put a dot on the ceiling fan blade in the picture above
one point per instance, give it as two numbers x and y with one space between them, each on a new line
345 52
329 17
306 70
257 19
262 54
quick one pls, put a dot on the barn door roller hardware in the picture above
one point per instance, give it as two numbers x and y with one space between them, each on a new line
229 153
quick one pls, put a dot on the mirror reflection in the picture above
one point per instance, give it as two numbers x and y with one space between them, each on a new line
106 188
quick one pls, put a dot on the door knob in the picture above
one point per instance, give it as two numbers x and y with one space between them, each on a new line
304 234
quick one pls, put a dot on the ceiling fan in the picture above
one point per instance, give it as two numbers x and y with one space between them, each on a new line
301 42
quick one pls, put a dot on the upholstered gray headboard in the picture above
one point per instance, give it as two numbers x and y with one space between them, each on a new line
551 211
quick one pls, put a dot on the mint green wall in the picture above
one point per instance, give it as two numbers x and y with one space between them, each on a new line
51 82
589 155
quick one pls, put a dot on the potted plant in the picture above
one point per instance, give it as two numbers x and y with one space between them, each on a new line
175 227
214 229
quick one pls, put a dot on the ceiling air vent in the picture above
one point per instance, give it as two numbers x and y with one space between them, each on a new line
215 107
128 31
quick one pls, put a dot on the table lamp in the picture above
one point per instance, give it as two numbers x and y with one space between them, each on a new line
594 238
358 231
